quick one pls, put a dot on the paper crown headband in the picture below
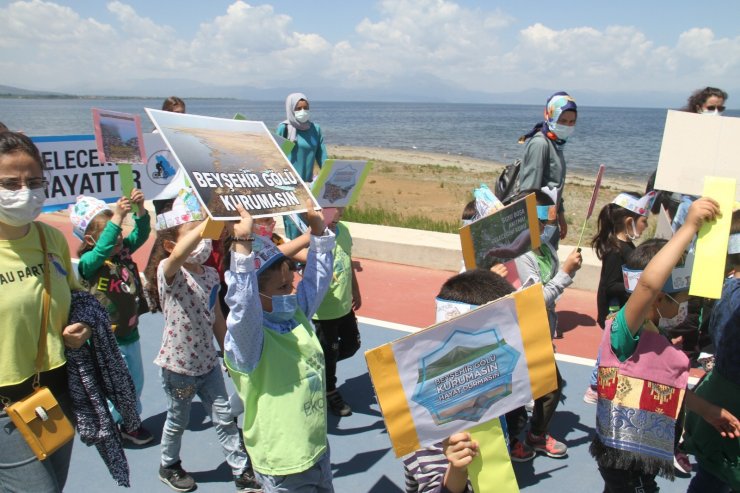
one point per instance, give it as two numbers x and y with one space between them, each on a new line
679 280
639 206
265 253
185 209
83 211
447 309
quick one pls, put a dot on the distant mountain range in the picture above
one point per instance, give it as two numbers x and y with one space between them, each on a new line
426 89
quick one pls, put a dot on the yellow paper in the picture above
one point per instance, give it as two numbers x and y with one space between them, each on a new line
497 476
708 273
212 229
535 329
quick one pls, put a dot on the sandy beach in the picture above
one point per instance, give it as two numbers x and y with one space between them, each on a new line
437 186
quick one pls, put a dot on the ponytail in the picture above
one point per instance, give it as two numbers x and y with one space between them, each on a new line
611 221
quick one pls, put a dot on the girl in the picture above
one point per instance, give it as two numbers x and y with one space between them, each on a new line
110 274
276 360
309 148
620 222
543 164
187 292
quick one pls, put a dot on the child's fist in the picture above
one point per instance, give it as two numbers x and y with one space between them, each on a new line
122 207
315 219
137 197
702 210
242 228
460 449
573 262
500 269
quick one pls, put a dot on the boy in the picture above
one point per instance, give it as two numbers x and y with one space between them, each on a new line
444 466
542 265
275 359
335 320
642 377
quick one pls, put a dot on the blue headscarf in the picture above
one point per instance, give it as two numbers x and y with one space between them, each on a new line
556 104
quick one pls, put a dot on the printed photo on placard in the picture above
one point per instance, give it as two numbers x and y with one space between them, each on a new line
502 235
339 182
233 162
118 137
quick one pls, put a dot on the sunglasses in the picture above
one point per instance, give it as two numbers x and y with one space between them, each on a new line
717 108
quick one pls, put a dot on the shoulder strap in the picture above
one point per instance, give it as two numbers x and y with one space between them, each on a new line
45 307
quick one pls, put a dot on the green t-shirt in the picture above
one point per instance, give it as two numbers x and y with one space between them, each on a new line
338 300
622 340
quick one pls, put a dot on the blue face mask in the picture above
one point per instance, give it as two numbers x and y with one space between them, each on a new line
284 307
548 233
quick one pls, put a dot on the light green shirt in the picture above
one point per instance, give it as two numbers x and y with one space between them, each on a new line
338 300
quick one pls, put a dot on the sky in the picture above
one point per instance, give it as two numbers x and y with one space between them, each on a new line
427 49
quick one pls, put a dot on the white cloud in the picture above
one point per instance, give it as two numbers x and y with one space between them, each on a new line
45 44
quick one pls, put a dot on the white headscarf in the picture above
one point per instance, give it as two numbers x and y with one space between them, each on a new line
291 124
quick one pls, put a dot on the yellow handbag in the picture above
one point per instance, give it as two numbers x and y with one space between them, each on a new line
39 417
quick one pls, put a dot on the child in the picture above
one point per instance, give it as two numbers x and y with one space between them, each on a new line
107 270
276 360
187 295
642 377
443 466
718 468
620 222
542 265
335 320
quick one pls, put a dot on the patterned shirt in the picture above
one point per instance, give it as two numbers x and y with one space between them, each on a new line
189 308
425 469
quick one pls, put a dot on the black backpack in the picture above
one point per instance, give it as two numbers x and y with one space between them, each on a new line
508 181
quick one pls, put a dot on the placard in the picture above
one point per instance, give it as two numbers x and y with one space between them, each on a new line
465 371
233 162
118 137
502 235
339 182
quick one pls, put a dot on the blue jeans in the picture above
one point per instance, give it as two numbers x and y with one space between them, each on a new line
132 356
180 391
316 479
706 481
20 471
595 373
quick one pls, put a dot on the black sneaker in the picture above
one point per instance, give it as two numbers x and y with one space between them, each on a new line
337 405
246 482
141 436
176 478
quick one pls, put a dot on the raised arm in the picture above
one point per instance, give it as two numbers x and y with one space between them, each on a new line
317 273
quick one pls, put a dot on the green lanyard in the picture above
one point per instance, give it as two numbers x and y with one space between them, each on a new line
545 262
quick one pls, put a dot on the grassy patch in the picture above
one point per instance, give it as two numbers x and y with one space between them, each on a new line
377 215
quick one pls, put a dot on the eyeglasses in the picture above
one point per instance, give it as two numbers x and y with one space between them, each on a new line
717 108
15 184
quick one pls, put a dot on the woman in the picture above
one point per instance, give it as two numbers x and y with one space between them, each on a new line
543 164
309 144
707 101
22 186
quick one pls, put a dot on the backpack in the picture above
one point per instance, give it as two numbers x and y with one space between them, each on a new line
507 183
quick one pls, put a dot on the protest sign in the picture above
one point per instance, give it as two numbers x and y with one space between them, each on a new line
503 235
708 272
465 371
695 146
118 136
285 144
73 167
233 162
339 182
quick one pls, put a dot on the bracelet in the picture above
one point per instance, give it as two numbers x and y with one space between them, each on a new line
236 238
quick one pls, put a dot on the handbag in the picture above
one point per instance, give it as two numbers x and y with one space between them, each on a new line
38 417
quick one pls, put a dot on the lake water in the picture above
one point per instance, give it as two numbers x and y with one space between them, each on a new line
626 140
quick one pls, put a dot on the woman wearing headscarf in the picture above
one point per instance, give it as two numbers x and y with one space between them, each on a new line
309 143
543 164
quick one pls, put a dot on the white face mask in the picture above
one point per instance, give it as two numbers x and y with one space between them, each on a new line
21 207
635 235
710 113
201 253
562 131
669 323
302 116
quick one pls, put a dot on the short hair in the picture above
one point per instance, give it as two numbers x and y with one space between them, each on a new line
643 254
469 212
170 103
475 287
14 142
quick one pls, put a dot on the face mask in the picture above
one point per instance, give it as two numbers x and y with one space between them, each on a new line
562 131
283 307
21 207
710 113
635 235
264 229
302 116
669 323
201 253
548 232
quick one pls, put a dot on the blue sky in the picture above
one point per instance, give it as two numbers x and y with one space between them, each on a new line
460 49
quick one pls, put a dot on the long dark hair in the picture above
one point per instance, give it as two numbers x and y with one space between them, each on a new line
700 96
156 256
611 221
